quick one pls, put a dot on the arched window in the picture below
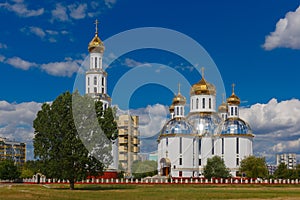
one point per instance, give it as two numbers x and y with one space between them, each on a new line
236 111
177 110
96 62
197 103
209 103
231 111
181 111
95 80
88 80
203 103
102 81
102 90
95 90
192 103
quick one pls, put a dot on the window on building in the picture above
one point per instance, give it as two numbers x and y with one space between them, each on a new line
177 110
88 90
236 111
180 173
197 103
95 80
231 111
222 145
180 161
102 81
96 62
237 146
237 161
213 147
181 110
209 103
95 90
199 161
167 142
88 80
102 90
180 145
203 102
199 146
192 103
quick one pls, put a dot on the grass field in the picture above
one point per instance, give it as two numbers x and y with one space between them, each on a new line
174 191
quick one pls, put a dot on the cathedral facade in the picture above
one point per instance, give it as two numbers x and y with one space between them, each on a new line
187 141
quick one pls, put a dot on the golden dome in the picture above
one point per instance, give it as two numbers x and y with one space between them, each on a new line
223 108
179 99
233 99
96 44
203 87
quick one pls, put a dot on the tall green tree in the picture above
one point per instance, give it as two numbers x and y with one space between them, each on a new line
8 170
254 167
216 168
72 137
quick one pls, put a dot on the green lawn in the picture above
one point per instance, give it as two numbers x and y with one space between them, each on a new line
124 192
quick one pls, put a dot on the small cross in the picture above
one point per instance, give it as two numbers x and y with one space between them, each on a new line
233 85
202 71
96 23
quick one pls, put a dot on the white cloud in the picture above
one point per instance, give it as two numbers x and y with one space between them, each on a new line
276 126
3 46
60 13
151 119
21 9
286 34
110 3
133 63
16 121
77 11
20 63
65 68
37 31
2 58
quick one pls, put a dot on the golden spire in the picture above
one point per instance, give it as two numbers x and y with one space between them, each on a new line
96 23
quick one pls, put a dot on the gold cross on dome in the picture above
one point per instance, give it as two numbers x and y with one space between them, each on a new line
202 71
178 88
233 85
96 23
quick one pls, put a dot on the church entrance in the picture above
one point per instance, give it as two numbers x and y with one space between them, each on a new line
165 166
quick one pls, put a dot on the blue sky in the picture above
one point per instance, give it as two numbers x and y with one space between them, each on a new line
254 44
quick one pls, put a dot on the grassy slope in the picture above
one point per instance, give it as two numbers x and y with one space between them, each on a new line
124 192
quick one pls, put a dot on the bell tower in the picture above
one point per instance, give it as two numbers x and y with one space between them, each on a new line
96 76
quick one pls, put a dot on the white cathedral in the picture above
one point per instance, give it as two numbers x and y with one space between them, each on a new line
186 142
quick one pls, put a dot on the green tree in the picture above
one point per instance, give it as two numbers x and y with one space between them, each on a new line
216 168
254 167
141 169
72 137
8 170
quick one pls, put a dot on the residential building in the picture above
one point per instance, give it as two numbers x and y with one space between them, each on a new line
290 159
128 135
15 151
